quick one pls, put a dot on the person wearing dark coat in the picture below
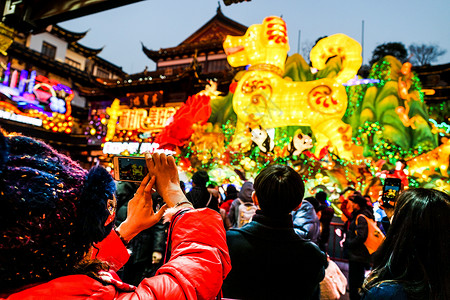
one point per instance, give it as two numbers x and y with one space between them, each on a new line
199 195
245 195
325 220
269 260
230 195
306 222
359 257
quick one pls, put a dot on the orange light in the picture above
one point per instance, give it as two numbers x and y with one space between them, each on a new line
428 92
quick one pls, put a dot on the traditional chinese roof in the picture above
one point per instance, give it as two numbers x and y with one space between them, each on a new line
83 50
38 60
108 66
72 39
209 37
67 35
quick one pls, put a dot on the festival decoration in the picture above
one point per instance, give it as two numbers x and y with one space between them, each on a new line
207 141
36 100
263 138
392 127
114 112
6 38
335 129
300 143
435 161
263 97
197 109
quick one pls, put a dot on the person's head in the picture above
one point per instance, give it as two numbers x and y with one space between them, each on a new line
321 197
231 192
400 164
246 192
313 202
358 202
200 178
318 207
52 211
279 190
415 252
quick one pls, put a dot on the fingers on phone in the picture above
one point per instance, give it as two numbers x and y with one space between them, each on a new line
171 161
149 186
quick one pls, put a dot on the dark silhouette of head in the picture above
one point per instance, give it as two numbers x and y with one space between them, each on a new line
279 190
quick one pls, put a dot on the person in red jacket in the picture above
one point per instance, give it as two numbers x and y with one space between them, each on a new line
57 239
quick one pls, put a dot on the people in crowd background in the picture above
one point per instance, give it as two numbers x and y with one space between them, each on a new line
325 220
199 195
56 231
385 221
306 221
231 194
270 261
245 196
413 261
358 255
148 247
213 189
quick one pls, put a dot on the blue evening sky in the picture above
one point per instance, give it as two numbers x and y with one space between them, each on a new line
166 23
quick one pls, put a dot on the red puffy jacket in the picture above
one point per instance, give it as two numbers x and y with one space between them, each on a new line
198 265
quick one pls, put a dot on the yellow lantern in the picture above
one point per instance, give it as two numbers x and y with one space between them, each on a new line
114 112
264 98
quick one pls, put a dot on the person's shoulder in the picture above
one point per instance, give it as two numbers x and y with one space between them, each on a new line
309 249
386 290
236 239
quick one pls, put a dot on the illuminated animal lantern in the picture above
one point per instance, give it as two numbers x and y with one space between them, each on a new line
438 158
263 139
263 97
207 138
300 142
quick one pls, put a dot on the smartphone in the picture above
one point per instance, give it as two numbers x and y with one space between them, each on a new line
391 189
129 168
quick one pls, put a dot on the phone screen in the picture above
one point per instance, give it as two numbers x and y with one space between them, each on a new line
130 168
391 189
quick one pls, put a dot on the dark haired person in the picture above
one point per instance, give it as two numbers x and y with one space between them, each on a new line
413 262
270 261
325 220
56 237
199 195
306 221
358 255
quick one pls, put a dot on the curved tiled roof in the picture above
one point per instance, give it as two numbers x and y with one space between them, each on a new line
67 35
207 38
83 50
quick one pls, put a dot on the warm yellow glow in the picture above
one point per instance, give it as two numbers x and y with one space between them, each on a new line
428 92
427 162
341 45
265 43
114 112
263 98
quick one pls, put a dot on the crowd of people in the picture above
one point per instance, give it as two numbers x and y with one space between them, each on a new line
68 233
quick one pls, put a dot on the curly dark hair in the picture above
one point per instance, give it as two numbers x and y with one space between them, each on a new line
45 197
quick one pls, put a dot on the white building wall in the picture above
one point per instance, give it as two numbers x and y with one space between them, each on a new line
36 41
77 57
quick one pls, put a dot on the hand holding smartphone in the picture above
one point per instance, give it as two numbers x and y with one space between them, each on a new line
129 168
391 190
